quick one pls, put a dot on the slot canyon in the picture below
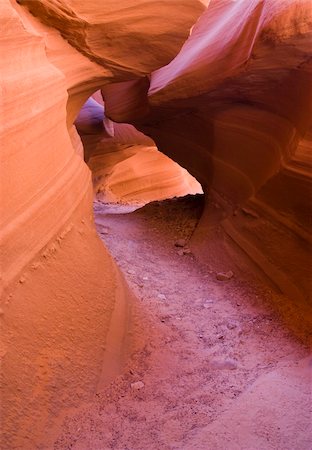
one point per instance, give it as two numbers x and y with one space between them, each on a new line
155 224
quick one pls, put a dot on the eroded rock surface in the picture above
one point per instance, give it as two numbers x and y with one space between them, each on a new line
126 165
64 304
233 107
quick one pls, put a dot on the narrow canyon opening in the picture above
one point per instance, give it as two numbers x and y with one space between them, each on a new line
200 335
127 168
156 317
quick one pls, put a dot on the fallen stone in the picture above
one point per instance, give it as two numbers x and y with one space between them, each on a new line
180 252
207 305
224 276
137 385
180 243
131 272
227 364
250 212
231 325
161 296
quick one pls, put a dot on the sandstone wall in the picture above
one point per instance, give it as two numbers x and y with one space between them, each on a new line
233 108
126 165
64 306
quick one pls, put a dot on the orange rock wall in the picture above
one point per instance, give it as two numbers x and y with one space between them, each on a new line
64 306
233 108
126 165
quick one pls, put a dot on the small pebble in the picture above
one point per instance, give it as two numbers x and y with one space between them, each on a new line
250 212
231 325
227 364
137 385
180 243
224 276
207 305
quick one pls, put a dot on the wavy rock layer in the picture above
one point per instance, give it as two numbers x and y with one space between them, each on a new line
139 175
233 108
108 33
126 165
64 306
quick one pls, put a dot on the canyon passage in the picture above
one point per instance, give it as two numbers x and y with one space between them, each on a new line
155 224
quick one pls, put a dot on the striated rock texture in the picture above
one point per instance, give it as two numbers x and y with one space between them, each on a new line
64 306
126 165
234 108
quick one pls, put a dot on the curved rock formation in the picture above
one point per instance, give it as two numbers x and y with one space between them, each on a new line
63 303
233 108
57 278
126 165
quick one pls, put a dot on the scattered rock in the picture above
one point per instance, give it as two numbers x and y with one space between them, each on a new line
180 243
145 278
184 251
104 231
231 325
137 385
224 276
131 272
161 296
250 212
207 304
226 364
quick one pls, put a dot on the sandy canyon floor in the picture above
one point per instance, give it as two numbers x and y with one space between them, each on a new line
218 365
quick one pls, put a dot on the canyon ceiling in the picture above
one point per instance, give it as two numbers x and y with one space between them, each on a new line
224 88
